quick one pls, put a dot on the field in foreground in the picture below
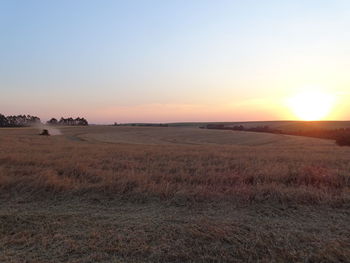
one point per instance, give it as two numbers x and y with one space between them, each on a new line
124 194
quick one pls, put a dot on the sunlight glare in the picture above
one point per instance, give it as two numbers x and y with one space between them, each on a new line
312 105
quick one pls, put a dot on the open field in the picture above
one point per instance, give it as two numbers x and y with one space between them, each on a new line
137 194
195 136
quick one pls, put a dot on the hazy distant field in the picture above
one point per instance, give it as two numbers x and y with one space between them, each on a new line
280 125
195 136
176 194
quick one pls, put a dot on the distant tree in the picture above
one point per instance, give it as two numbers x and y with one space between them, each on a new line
32 120
11 121
62 121
81 122
343 139
52 121
3 121
238 128
78 121
216 126
70 121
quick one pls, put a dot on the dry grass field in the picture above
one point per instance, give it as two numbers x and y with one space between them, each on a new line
189 135
148 194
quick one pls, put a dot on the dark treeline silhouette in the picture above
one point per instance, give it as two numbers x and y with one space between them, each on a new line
28 120
242 128
69 121
18 120
341 136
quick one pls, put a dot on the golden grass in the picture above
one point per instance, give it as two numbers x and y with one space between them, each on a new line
190 135
298 171
165 197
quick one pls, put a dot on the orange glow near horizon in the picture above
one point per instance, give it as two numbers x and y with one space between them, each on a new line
312 105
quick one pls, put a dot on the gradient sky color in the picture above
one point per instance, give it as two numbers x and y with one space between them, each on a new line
171 61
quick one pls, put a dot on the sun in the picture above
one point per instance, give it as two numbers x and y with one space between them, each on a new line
312 105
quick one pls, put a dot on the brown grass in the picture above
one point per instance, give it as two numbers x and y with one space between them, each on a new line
302 174
270 201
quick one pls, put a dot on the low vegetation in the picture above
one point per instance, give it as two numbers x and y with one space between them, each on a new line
73 195
340 135
201 172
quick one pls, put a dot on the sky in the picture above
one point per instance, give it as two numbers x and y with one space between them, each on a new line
173 61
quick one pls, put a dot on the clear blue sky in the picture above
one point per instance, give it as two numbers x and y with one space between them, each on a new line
170 60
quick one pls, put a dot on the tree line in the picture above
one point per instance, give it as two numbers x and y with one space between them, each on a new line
28 120
18 120
341 136
69 121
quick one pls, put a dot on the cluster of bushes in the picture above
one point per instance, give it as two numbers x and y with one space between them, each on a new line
341 136
69 121
242 128
18 121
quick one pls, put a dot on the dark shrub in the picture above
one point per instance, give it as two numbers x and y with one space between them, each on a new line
343 139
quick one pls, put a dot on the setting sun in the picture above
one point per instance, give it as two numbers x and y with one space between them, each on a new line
312 105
